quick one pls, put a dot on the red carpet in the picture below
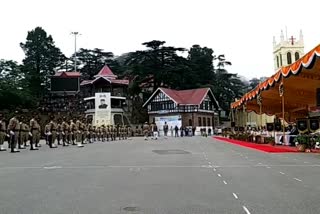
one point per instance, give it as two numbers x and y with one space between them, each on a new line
260 147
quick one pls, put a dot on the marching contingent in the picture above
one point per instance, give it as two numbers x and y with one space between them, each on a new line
21 132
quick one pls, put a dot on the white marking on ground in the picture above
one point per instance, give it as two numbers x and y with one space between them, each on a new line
209 162
306 162
219 175
235 195
295 159
246 209
210 166
297 179
52 167
259 163
225 182
214 169
268 167
282 173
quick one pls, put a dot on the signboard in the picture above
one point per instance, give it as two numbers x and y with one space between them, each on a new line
102 109
60 84
172 121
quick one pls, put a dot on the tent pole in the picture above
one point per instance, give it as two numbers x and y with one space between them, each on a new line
283 127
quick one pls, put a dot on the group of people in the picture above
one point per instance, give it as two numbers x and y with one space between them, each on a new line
153 131
21 132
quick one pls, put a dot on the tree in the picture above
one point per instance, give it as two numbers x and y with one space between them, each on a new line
13 92
161 63
253 83
42 58
90 61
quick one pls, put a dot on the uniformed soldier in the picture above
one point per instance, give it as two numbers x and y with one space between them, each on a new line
98 133
115 132
129 131
72 132
53 130
2 132
47 132
146 130
59 132
84 131
90 133
26 135
108 132
94 133
22 132
78 133
64 132
13 129
34 132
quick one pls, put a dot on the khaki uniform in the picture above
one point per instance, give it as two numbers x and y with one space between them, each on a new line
59 134
14 128
2 134
35 131
53 129
114 132
64 133
23 136
78 131
72 132
146 129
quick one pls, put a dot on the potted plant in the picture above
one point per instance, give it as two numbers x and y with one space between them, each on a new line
302 142
269 140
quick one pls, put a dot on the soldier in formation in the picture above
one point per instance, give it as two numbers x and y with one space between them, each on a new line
22 132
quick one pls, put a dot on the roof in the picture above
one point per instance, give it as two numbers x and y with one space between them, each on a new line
106 72
114 81
304 63
67 74
184 97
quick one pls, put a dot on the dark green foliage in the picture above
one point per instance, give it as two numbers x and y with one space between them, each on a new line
42 58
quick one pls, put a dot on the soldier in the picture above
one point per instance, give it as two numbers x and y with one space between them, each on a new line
59 132
115 132
34 132
64 132
146 130
103 132
98 133
125 132
84 130
108 132
46 131
72 130
78 133
53 130
90 133
26 135
94 133
13 129
22 133
2 132
129 131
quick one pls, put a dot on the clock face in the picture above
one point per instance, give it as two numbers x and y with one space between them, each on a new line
302 125
270 127
314 124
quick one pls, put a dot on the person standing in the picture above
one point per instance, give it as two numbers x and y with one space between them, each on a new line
34 132
2 132
146 130
176 131
165 129
13 129
78 133
64 132
22 132
171 131
155 131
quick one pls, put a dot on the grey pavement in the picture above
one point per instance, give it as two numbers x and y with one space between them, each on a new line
187 175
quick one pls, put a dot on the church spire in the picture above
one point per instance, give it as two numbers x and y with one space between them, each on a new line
282 36
274 41
301 36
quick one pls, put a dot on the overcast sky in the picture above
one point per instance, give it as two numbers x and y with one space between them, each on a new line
241 29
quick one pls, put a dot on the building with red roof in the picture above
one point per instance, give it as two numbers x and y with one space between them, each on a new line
106 82
194 107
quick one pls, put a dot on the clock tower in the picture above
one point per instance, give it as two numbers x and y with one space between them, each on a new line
287 51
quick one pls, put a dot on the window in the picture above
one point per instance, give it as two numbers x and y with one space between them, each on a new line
278 62
208 122
190 122
280 59
296 56
117 119
204 121
199 121
289 59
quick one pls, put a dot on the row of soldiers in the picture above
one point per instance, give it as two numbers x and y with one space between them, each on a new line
64 132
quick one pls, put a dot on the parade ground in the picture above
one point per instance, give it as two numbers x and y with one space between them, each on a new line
189 175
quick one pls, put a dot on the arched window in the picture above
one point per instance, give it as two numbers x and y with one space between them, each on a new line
190 122
199 121
280 59
208 121
296 56
289 59
204 121
278 62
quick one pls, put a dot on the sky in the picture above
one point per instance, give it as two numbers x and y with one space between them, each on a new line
242 30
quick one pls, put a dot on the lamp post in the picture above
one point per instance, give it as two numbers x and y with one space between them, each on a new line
75 49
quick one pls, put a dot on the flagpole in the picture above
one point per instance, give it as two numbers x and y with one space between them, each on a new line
283 115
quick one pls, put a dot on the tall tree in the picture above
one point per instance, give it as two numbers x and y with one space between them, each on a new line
161 63
42 58
90 61
253 83
13 92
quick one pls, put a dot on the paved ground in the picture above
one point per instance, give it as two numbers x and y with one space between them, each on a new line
177 175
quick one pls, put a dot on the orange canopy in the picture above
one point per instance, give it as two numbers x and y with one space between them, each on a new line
300 82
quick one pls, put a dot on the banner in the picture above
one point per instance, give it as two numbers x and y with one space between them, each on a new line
102 109
172 121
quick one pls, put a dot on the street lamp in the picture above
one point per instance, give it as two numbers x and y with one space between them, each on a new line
75 49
